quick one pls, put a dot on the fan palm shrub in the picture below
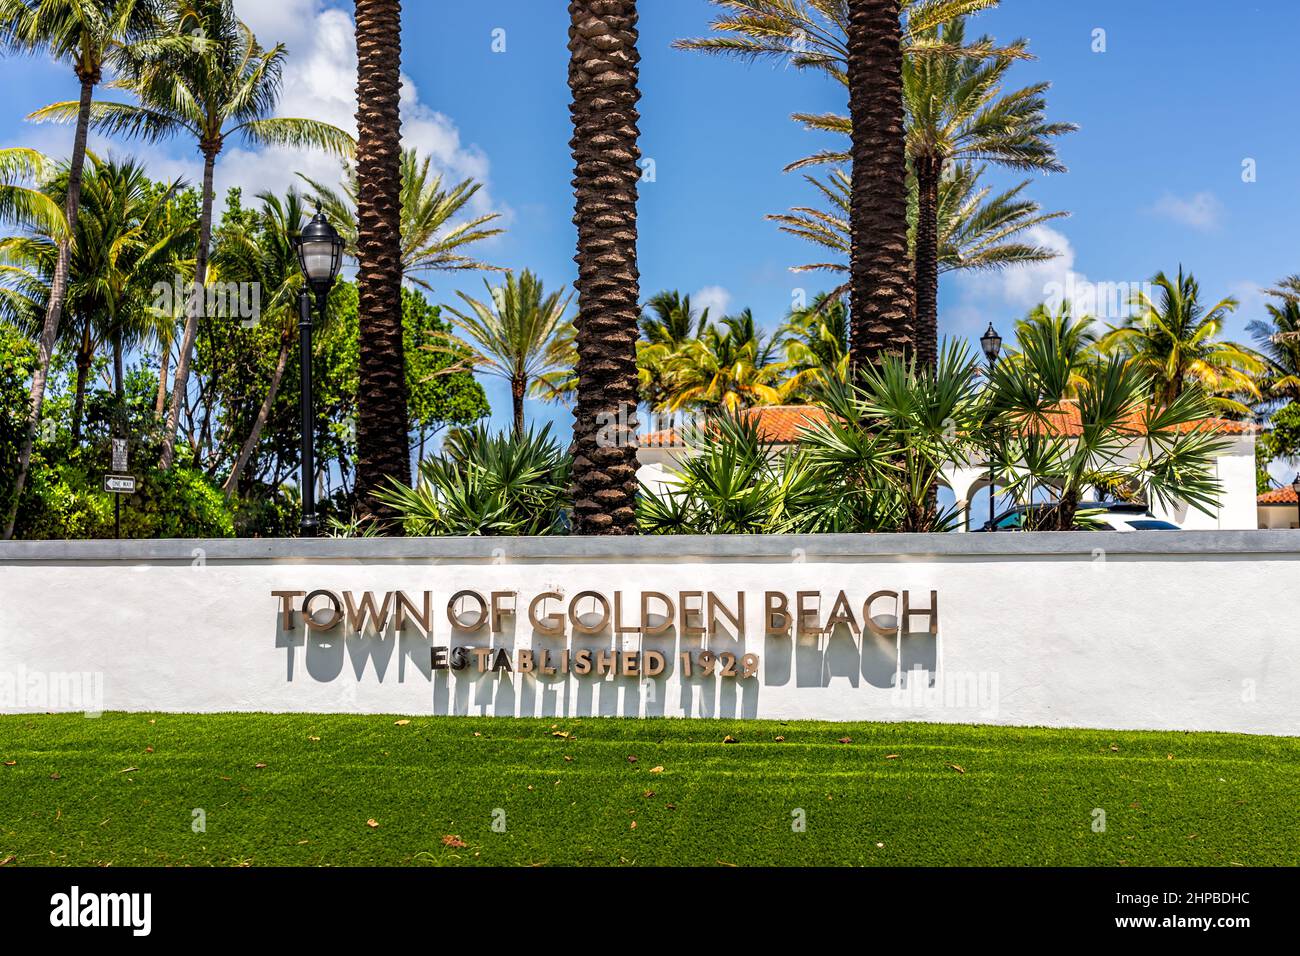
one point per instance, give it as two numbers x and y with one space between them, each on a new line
733 482
1070 428
484 484
889 436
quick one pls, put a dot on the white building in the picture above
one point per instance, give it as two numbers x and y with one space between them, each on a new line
1278 508
661 452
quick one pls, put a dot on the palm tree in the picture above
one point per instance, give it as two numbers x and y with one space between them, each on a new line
23 294
668 319
879 270
223 86
383 453
668 322
266 254
732 366
125 242
1278 340
430 241
603 76
956 111
22 202
521 336
816 341
862 44
1174 340
976 230
88 34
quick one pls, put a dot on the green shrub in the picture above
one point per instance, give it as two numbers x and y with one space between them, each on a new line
67 501
488 485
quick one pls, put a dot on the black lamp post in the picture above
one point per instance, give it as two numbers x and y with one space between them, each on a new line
1295 486
991 343
320 256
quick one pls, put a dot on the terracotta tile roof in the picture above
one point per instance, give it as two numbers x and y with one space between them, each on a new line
1070 425
781 424
1278 496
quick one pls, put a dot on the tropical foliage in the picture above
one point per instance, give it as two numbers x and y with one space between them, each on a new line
483 484
99 338
1177 341
432 240
520 335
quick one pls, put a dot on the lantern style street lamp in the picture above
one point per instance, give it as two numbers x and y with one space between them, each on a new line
1295 486
991 343
320 256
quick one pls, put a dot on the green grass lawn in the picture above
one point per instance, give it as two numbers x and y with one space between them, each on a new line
123 789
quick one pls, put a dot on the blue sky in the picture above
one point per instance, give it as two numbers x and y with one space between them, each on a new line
1181 97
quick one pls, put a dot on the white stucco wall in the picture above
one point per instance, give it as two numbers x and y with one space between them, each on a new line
1165 630
1278 516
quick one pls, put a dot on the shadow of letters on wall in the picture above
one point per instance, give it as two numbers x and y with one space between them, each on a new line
613 653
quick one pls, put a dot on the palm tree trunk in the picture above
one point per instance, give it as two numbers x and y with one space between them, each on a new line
518 386
58 293
603 77
879 267
263 414
164 364
929 169
85 356
196 308
383 454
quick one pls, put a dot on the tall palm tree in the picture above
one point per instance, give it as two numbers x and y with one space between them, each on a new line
431 241
383 453
603 77
88 34
1175 341
860 43
521 337
266 254
125 242
223 85
976 230
880 294
957 111
1278 339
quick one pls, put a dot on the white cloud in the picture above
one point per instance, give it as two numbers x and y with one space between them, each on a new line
1025 286
712 297
990 296
320 78
1203 211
